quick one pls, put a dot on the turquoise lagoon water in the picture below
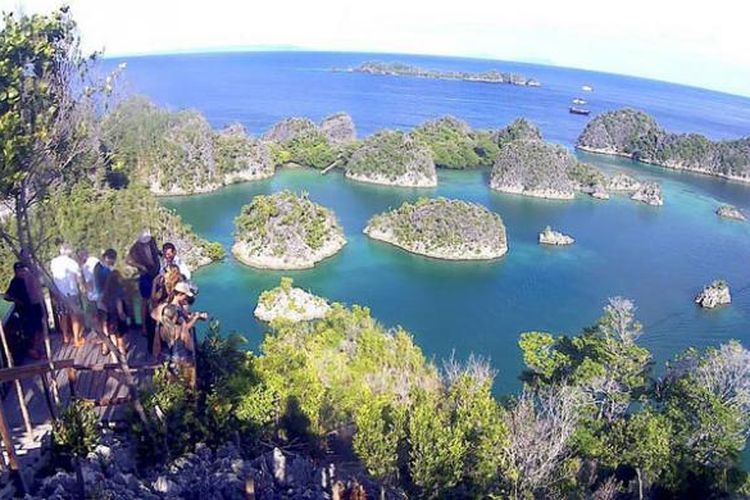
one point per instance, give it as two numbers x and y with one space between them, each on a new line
659 257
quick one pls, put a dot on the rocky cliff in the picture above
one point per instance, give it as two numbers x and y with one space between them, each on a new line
443 229
534 168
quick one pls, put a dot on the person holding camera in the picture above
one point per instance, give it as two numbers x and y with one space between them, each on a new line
174 342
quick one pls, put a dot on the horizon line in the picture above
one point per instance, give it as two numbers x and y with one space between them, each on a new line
291 48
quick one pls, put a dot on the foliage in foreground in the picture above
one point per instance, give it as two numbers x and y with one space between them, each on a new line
591 418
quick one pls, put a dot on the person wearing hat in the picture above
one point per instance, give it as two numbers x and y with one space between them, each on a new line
144 256
174 342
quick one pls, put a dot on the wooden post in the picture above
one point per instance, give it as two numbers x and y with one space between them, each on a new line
15 472
48 351
17 383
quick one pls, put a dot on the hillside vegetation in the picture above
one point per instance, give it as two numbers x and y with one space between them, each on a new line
285 231
635 134
441 228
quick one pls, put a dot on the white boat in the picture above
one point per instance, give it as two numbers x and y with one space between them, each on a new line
579 102
587 88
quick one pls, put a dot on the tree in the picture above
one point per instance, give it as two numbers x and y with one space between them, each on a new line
540 427
643 442
48 109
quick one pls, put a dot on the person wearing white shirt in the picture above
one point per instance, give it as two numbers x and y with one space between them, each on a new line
67 276
88 264
169 254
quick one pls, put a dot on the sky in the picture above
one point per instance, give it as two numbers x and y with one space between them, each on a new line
703 44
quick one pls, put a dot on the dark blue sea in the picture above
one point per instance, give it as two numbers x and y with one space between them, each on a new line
659 257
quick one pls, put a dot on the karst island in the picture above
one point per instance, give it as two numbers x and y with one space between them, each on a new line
442 229
285 231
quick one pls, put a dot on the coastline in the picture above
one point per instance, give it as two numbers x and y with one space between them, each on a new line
329 249
424 182
610 152
229 179
547 194
387 237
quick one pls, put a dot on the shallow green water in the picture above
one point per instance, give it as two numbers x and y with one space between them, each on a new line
660 257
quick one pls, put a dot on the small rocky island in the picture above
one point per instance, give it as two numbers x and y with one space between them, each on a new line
392 158
714 295
285 231
635 134
534 168
241 157
401 69
290 303
649 193
551 237
623 183
442 229
730 212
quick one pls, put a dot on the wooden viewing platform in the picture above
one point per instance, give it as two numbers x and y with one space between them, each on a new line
81 372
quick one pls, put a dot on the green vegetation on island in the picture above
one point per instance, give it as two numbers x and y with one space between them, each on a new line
300 141
635 134
592 420
285 231
443 229
534 168
289 303
401 69
518 129
392 158
178 152
454 144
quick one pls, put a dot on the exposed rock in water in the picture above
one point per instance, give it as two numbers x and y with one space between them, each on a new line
623 182
730 212
443 229
392 158
714 294
339 128
285 231
287 302
649 193
635 134
534 168
589 180
551 237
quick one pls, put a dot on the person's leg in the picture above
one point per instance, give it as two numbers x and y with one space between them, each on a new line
63 319
77 324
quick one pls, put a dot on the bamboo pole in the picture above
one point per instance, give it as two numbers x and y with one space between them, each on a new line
13 468
17 383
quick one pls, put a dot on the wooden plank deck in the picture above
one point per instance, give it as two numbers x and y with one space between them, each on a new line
100 385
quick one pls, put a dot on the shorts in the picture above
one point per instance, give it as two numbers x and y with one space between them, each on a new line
32 319
68 307
145 282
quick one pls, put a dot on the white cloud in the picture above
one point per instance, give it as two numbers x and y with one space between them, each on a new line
697 44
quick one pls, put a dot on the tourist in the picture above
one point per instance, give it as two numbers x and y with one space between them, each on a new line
144 256
113 302
164 284
101 272
30 314
169 253
66 275
88 265
175 342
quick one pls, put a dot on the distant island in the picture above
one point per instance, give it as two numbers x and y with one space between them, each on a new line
442 229
635 134
392 158
285 231
401 69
